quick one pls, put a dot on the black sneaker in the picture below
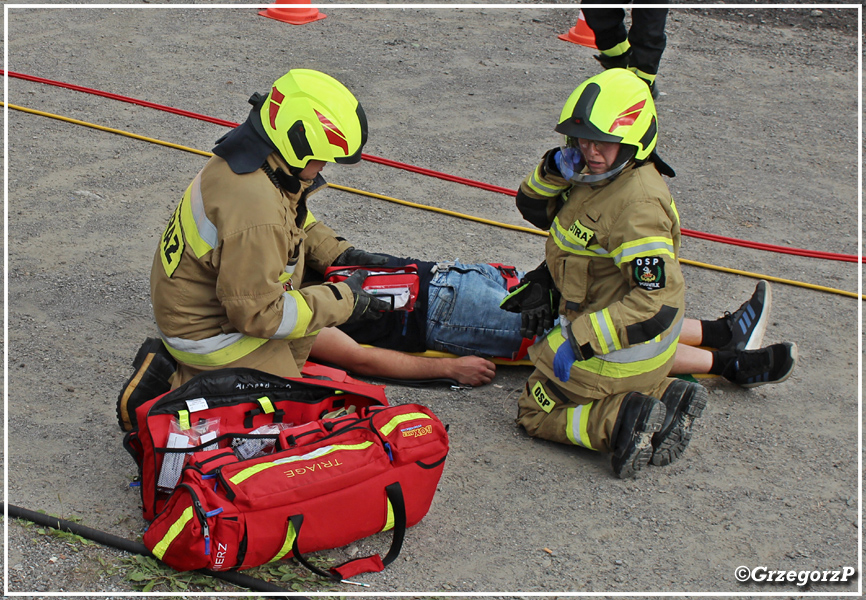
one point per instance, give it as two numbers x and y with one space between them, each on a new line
153 366
750 321
640 416
684 402
772 364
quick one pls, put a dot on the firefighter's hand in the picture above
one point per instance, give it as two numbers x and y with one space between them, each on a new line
353 256
536 299
367 307
568 353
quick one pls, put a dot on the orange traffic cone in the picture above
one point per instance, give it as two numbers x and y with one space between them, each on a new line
580 33
297 15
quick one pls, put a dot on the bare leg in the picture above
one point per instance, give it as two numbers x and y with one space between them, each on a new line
691 333
690 360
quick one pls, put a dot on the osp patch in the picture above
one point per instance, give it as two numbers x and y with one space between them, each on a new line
540 396
649 272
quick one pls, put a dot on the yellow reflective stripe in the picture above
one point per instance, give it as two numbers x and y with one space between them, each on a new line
599 334
250 471
389 519
223 356
285 276
612 364
173 531
535 183
644 75
648 246
297 316
309 220
266 404
617 50
287 543
318 453
605 331
676 212
199 232
183 420
393 423
578 417
574 244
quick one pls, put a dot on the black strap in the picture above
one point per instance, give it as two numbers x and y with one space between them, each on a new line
395 496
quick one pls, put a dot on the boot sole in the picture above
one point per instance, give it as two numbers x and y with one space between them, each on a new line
672 446
643 449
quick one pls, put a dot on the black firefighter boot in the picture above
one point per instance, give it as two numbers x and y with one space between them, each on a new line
153 367
613 62
640 416
684 402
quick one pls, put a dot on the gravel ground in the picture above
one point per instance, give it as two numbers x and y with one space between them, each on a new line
758 115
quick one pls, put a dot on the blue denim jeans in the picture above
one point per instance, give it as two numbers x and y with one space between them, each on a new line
463 315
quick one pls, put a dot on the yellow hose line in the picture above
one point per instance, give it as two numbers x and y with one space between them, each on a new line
108 129
437 210
684 261
433 208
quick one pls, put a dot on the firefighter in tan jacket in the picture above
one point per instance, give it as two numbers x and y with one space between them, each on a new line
608 302
226 281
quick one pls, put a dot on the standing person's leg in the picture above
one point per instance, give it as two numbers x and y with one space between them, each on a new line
647 38
611 36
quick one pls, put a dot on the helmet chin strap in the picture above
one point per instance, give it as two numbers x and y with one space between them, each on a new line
595 178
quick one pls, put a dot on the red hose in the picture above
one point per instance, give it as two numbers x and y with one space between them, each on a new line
437 174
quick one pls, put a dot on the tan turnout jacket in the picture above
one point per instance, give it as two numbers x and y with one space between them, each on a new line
226 277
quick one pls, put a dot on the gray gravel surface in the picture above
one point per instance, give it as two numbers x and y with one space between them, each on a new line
758 115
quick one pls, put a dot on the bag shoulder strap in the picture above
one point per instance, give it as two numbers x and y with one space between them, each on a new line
367 564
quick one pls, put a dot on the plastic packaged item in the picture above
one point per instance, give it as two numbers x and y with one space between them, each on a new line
253 447
398 285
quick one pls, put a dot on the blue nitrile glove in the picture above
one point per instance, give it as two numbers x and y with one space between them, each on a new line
562 362
569 352
568 161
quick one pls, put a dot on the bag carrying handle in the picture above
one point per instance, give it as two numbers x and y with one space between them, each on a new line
368 564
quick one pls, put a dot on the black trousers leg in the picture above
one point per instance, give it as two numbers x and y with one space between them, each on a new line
607 24
647 38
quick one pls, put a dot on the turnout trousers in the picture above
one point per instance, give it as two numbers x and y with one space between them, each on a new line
547 411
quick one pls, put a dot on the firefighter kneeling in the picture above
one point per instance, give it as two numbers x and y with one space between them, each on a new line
608 302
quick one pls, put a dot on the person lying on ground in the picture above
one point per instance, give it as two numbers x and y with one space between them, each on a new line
458 312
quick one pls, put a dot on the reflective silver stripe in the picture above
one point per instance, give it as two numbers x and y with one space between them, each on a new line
563 242
604 327
644 351
290 317
661 246
543 188
579 433
205 346
207 231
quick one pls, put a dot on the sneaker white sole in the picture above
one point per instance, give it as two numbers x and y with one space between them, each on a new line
757 337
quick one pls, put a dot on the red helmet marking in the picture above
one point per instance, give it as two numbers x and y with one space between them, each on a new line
274 107
628 116
277 96
335 136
